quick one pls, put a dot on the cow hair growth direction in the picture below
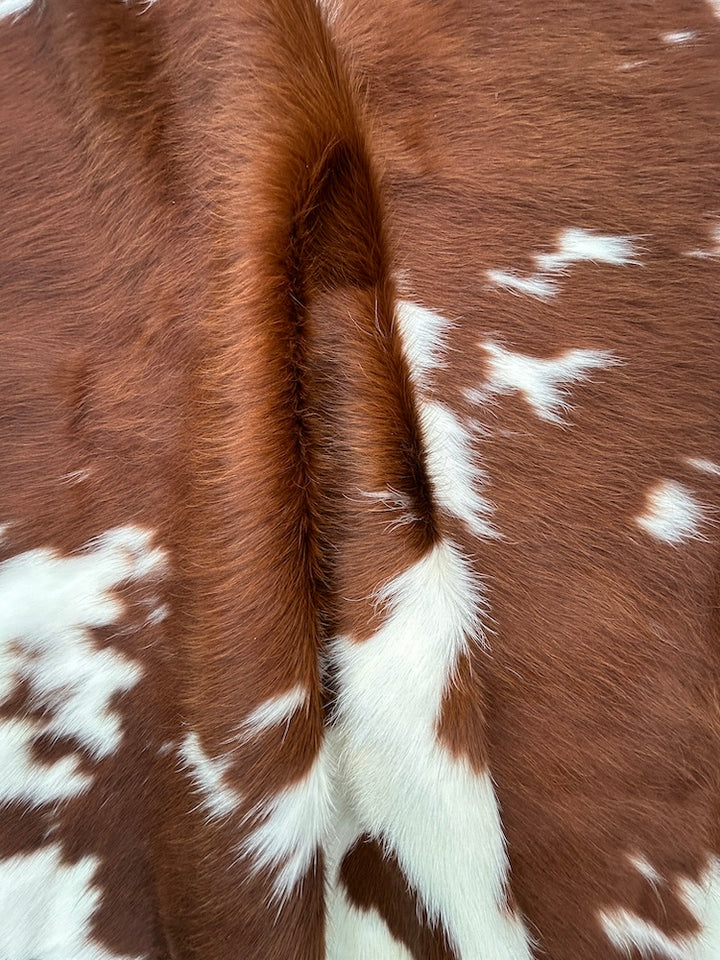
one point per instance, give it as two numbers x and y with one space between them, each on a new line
359 580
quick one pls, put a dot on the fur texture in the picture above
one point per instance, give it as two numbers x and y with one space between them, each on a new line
358 526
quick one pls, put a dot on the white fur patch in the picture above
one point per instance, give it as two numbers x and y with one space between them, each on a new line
456 477
574 245
292 826
25 780
536 285
423 334
274 712
359 934
703 901
629 932
452 467
208 777
439 817
705 466
346 930
672 514
47 907
14 8
679 36
48 606
577 245
542 383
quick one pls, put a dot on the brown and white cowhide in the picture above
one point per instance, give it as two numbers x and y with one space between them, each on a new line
360 480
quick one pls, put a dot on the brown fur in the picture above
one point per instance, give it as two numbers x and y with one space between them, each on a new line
208 214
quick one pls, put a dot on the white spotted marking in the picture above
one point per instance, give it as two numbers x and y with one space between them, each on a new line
679 36
453 470
292 826
542 383
537 285
274 712
208 775
672 514
705 466
395 781
703 901
49 604
577 246
574 245
26 781
47 907
14 8
440 818
630 933
423 333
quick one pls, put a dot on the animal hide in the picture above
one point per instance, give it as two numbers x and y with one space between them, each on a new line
360 467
